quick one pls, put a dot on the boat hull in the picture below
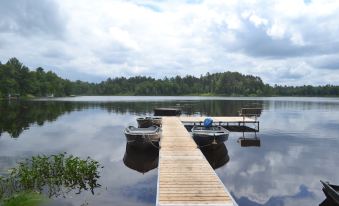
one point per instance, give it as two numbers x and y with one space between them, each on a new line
208 136
203 140
331 192
143 137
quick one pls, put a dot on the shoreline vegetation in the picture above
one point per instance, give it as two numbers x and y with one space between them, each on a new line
18 81
33 181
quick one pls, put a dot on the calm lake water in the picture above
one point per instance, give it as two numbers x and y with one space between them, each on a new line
299 145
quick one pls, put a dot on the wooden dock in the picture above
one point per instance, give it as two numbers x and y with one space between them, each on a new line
184 175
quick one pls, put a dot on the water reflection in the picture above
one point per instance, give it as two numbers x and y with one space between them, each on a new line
300 137
249 142
87 132
15 117
141 159
216 155
331 192
328 202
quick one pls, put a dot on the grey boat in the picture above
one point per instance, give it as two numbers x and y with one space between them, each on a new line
144 122
143 137
209 135
331 191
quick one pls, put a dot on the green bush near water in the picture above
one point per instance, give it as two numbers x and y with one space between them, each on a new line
53 175
26 199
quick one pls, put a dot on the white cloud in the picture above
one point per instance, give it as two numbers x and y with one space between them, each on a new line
277 30
256 20
113 38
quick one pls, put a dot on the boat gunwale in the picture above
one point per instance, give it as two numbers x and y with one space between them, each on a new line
143 131
220 132
331 191
334 187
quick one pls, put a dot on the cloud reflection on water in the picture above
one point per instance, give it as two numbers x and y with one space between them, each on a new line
298 142
295 154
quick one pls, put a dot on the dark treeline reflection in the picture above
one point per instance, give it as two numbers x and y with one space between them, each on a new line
17 116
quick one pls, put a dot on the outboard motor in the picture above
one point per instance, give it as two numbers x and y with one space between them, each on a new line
208 122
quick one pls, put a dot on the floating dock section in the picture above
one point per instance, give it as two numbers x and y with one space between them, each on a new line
233 124
185 176
218 120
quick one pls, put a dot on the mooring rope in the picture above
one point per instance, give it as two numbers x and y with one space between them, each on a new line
208 145
149 139
214 142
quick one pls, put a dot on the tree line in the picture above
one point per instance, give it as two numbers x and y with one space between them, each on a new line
17 79
18 116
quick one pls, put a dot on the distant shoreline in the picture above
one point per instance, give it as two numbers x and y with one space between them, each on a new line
19 80
190 95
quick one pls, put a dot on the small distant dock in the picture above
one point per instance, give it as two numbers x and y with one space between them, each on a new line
185 176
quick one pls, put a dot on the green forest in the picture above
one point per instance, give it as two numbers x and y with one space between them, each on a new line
18 80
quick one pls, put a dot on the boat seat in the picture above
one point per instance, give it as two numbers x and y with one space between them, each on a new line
135 130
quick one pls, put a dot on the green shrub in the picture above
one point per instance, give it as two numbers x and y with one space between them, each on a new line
55 175
26 199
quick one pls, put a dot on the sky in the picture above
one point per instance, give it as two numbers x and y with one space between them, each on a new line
292 42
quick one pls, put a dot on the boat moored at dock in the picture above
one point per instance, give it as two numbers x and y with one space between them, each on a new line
143 137
144 122
209 135
331 191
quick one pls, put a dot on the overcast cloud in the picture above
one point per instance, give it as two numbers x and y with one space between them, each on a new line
290 42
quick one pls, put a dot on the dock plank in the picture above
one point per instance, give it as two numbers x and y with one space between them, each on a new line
185 176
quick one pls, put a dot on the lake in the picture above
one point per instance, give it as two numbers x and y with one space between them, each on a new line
299 145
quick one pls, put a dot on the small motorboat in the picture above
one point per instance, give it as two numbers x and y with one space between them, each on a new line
143 136
209 135
144 122
331 191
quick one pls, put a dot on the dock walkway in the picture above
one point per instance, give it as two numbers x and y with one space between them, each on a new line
185 176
